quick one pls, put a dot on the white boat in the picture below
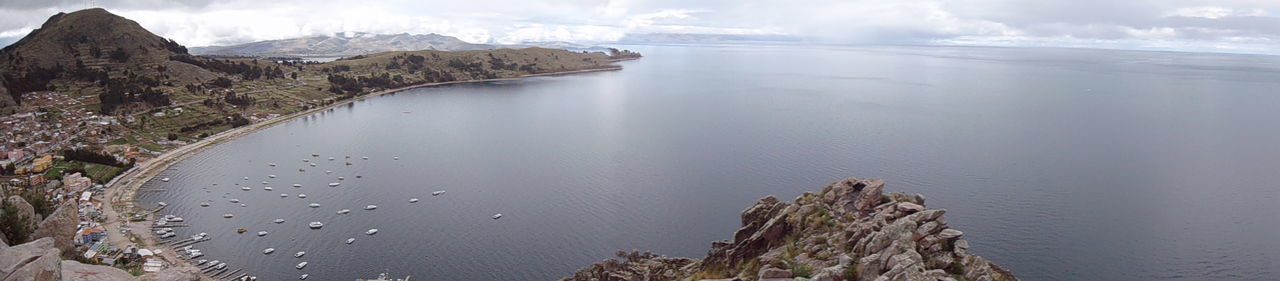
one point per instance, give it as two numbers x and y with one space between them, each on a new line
245 188
169 234
314 205
284 195
341 178
268 188
235 200
328 171
204 204
243 205
315 225
303 277
344 211
413 200
220 266
497 216
200 262
313 164
176 219
370 207
306 160
302 195
334 184
268 251
330 158
299 254
196 254
246 178
271 176
371 231
278 221
297 185
262 233
301 265
351 240
264 182
227 215
395 158
271 164
437 193
165 180
365 157
162 204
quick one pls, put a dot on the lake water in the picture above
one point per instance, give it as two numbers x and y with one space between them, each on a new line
1059 164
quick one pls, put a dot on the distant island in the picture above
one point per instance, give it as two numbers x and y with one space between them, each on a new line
92 105
342 45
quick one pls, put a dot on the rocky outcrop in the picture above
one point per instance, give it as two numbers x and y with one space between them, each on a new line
851 230
75 271
37 260
173 274
24 209
61 226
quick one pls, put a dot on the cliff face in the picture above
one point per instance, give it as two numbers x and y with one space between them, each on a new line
850 230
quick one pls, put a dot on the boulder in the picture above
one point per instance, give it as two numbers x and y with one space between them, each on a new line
15 257
771 272
76 271
173 274
61 226
24 209
870 194
950 234
38 262
909 207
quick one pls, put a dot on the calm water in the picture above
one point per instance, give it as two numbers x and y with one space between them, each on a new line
1058 164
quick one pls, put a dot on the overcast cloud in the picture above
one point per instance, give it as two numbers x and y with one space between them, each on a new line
1192 25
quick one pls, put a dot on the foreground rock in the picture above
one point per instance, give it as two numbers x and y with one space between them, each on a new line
849 231
75 271
39 260
61 226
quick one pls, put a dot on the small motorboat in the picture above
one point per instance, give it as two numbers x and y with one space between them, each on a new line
264 182
221 266
165 180
235 200
168 235
297 185
437 193
497 216
299 254
271 164
245 188
302 170
371 231
302 195
341 178
315 155
334 184
314 205
262 233
175 219
241 230
278 221
246 178
303 277
328 171
413 200
284 195
301 265
395 158
306 160
204 204
227 215
351 240
271 176
200 262
330 158
268 251
370 207
365 157
196 254
313 164
344 211
348 163
359 176
162 204
243 205
268 188
315 225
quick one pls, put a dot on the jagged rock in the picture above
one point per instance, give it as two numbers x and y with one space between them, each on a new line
37 260
173 274
61 226
75 271
4 241
848 224
24 209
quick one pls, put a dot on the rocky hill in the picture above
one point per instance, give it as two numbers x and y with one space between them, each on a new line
341 45
849 231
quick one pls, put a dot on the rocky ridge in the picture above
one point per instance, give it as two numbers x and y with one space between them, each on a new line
851 230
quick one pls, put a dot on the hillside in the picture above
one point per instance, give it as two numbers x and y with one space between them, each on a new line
850 230
340 45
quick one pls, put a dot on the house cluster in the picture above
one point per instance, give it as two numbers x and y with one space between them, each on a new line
51 123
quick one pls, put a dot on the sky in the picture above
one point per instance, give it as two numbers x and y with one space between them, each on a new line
1245 26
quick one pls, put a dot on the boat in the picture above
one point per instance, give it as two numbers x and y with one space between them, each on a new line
278 221
341 178
212 263
168 234
344 211
334 184
220 266
245 188
200 262
315 155
365 157
271 164
370 207
165 180
176 219
271 176
297 185
302 195
227 215
313 164
328 171
315 225
284 195
235 200
196 254
204 204
264 182
314 205
371 231
241 230
395 158
351 240
303 277
268 251
301 265
162 204
359 176
348 163
268 188
413 200
497 216
302 170
262 233
243 205
246 178
299 254
306 160
330 158
437 193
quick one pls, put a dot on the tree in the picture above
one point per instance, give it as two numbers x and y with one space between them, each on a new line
16 227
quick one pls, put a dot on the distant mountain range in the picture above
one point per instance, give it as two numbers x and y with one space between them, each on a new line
704 38
341 45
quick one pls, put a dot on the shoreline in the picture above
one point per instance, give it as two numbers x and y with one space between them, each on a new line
122 190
